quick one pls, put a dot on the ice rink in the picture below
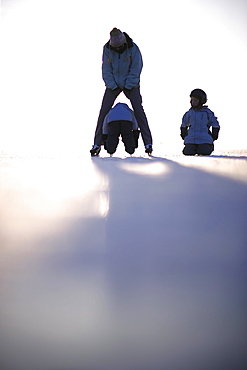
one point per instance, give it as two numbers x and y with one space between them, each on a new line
127 263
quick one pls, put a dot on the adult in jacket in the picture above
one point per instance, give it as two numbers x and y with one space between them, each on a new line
121 69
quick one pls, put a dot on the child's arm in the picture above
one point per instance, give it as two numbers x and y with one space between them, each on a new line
184 126
213 121
105 125
184 132
215 133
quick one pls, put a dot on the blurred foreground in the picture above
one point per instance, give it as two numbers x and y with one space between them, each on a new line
123 263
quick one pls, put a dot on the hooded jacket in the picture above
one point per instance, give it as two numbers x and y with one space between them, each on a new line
198 122
122 70
121 112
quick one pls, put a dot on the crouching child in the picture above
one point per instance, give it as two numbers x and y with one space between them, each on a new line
196 124
120 121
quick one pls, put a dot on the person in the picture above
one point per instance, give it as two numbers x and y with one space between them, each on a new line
121 69
120 120
195 127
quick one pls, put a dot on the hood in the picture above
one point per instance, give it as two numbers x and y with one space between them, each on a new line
121 105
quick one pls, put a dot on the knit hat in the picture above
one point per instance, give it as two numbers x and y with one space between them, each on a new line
117 38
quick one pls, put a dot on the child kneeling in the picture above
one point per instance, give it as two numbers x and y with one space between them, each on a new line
120 121
196 123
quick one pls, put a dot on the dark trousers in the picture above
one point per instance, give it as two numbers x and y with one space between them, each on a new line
201 149
123 128
136 101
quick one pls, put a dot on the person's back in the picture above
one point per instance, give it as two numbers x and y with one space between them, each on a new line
120 121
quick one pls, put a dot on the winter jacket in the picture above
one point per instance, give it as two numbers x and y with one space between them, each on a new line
122 69
121 112
198 122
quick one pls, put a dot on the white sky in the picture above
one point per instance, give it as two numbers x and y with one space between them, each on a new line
51 68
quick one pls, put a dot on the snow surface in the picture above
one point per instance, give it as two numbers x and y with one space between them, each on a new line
124 263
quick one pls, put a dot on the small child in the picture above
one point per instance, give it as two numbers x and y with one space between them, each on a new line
120 121
198 139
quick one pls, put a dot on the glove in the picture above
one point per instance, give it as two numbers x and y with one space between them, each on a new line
215 133
184 132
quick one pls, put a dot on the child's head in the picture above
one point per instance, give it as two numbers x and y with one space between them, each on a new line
197 98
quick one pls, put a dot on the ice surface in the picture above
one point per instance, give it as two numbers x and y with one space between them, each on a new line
124 263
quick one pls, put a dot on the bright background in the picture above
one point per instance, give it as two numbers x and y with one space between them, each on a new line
51 69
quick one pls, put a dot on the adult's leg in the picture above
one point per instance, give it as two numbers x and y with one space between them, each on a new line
107 102
190 149
127 136
113 136
136 102
205 149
